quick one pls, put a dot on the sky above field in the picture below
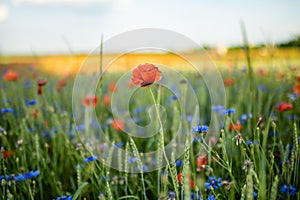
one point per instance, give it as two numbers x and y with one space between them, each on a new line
62 26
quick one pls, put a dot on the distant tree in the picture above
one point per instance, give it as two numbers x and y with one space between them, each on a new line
291 43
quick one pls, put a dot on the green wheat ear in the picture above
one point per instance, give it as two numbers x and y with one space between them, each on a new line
274 188
186 172
249 185
139 163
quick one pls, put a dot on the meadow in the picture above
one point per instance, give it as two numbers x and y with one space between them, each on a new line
252 153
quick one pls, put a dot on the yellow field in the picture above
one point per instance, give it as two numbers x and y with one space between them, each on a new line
65 64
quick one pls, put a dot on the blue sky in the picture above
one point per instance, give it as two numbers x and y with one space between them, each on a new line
44 26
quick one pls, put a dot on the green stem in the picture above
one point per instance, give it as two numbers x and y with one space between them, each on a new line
161 132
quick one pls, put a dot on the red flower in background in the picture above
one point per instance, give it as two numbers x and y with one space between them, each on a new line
61 84
296 89
236 127
192 184
229 82
7 154
112 87
41 83
262 72
179 177
90 101
106 99
201 162
283 106
118 124
11 75
145 74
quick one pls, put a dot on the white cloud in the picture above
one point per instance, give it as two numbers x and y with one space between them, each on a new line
57 2
3 12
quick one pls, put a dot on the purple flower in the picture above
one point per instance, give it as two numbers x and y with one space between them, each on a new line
172 195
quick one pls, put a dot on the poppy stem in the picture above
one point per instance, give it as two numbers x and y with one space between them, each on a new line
161 131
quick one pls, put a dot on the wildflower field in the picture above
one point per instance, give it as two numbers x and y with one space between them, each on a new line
251 153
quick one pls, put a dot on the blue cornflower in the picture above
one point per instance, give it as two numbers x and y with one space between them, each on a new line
132 159
218 108
272 134
174 97
262 88
90 159
119 144
28 175
31 102
255 195
229 111
64 198
195 196
249 142
6 110
179 163
211 197
145 168
31 129
172 195
27 84
7 177
80 127
293 96
200 129
138 110
213 182
288 190
198 138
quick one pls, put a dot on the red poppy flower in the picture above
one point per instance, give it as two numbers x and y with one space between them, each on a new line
145 74
281 75
296 89
192 184
236 127
201 162
60 84
106 99
41 83
90 101
179 177
283 106
34 75
11 75
112 87
7 154
298 78
229 82
262 72
118 124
